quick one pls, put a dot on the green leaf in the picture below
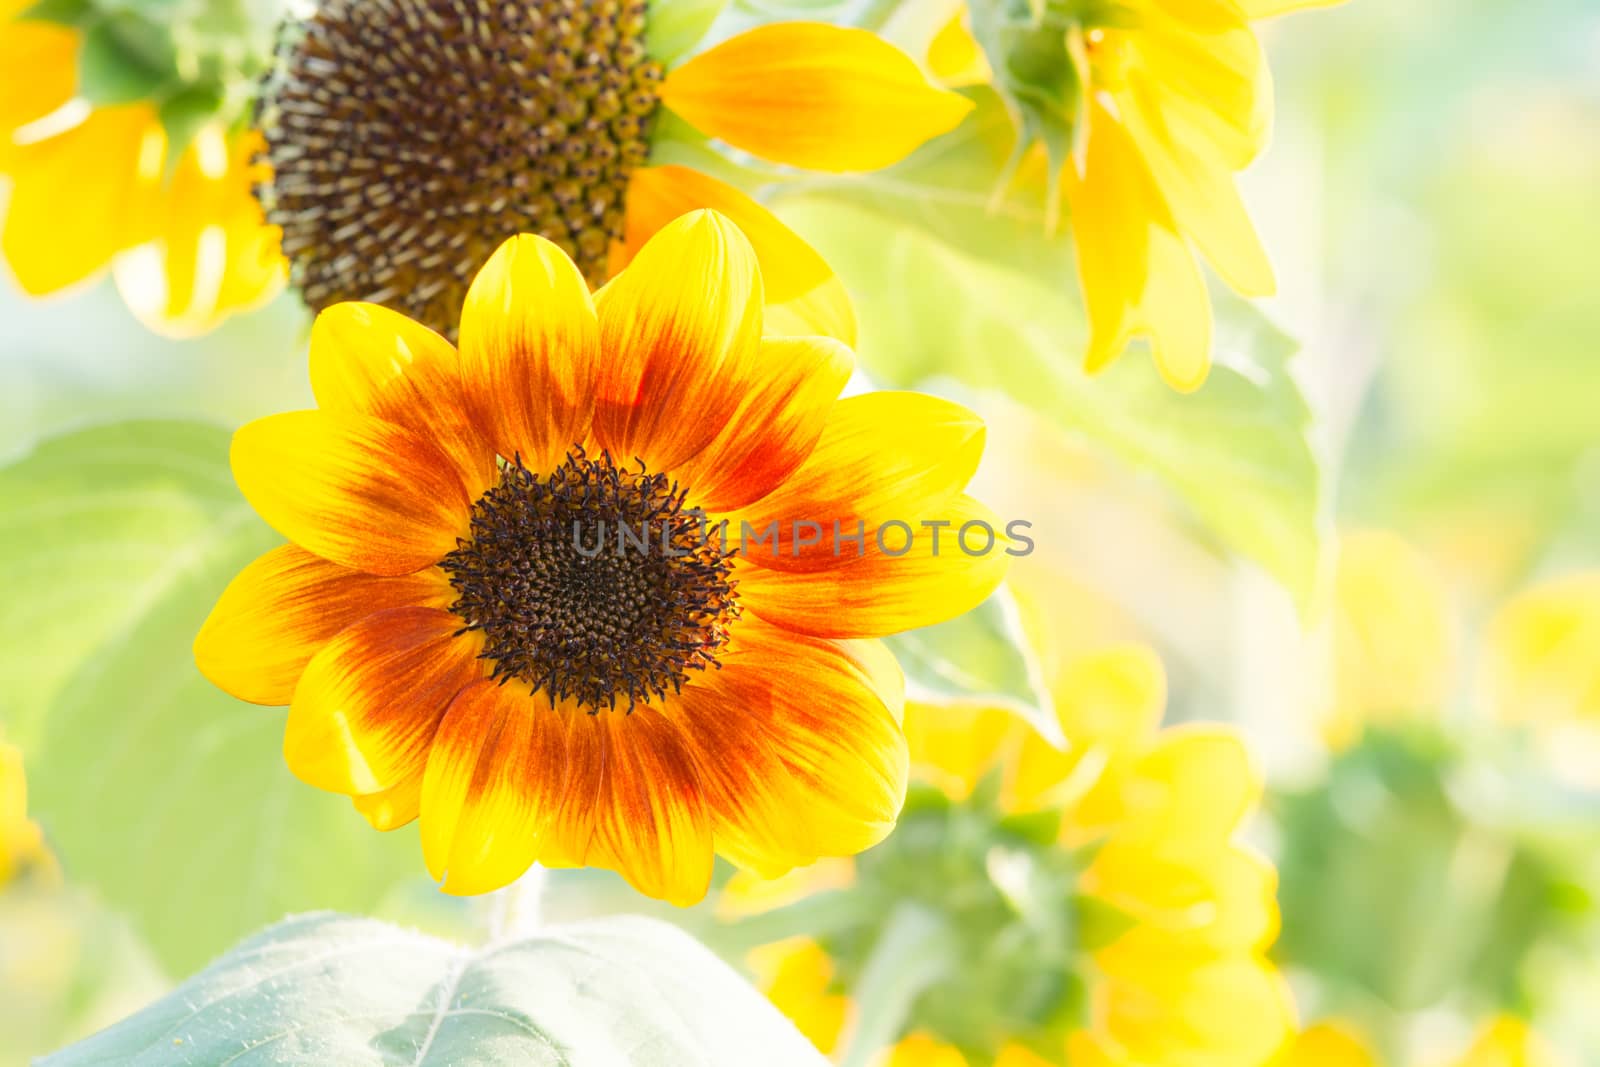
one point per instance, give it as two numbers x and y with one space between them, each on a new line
124 59
327 989
674 27
984 658
1236 452
65 12
168 795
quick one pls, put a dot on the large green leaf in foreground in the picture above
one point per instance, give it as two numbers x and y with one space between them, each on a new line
168 796
357 993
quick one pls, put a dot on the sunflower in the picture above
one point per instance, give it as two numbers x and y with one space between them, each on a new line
91 187
456 637
1146 110
22 846
407 140
1087 907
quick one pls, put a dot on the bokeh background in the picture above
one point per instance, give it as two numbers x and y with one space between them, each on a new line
1404 628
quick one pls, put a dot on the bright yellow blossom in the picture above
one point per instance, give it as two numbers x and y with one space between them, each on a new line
1132 934
1170 99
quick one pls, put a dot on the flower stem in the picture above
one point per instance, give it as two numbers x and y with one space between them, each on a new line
914 951
517 910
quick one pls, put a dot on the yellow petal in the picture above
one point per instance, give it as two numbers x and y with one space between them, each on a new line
883 456
813 95
359 491
954 558
1327 1045
211 252
40 61
495 778
392 808
1187 897
681 330
369 360
798 753
284 607
1260 9
776 426
796 975
790 268
1510 1042
922 1050
530 351
1138 276
1543 662
954 747
954 55
826 311
1197 783
77 197
366 709
22 844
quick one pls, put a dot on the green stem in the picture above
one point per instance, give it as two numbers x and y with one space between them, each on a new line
914 952
517 910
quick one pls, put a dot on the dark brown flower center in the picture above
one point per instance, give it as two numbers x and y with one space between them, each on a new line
408 138
594 582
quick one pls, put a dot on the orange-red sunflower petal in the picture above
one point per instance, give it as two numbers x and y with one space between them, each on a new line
281 609
362 492
681 333
366 709
530 351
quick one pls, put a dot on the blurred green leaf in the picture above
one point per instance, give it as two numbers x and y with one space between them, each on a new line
984 658
1236 452
357 993
66 12
676 26
168 795
124 59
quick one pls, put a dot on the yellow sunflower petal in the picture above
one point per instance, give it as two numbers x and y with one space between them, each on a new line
359 491
392 808
922 1050
954 747
651 822
1327 1045
1161 1008
879 593
495 778
1261 9
281 609
799 755
776 426
368 360
681 329
1139 278
882 456
40 61
1197 783
796 974
75 196
826 311
954 55
21 841
211 251
813 95
1206 898
530 351
1510 1042
790 268
366 708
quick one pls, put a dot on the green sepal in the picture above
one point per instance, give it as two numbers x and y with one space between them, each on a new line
1099 923
124 59
186 112
1042 828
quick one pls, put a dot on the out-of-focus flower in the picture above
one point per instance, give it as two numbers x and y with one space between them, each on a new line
485 644
1143 111
93 187
1503 1042
405 150
1543 653
22 847
1391 635
1037 907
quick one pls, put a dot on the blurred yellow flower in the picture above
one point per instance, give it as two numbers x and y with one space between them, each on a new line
1391 635
22 846
1168 100
1543 653
1503 1042
452 641
1327 1045
1095 904
91 187
562 102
